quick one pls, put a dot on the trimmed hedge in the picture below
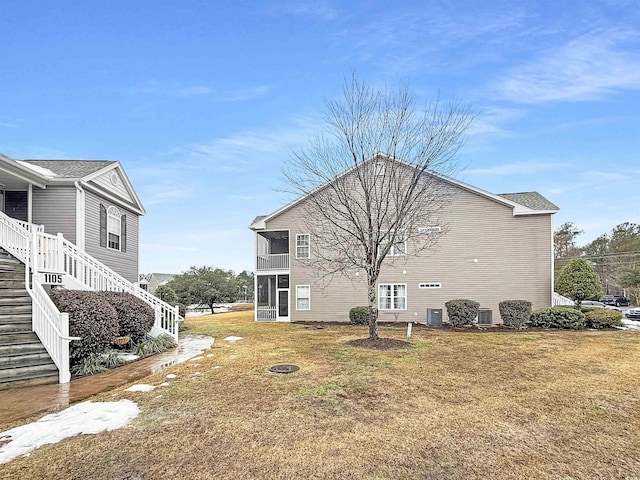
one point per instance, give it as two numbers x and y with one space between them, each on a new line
360 315
91 317
135 317
602 317
558 317
462 311
515 313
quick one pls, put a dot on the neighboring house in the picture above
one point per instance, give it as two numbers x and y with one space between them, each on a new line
72 223
156 279
497 247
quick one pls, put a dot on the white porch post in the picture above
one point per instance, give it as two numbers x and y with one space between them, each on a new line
30 203
64 371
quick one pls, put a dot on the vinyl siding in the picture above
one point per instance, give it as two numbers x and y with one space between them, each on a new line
55 208
124 263
119 189
514 261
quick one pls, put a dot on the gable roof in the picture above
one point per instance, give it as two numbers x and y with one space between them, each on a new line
532 200
79 172
525 203
71 169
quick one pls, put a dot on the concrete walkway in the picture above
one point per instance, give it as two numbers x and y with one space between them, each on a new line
20 403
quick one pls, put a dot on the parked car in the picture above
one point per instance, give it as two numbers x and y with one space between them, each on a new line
617 300
595 304
633 313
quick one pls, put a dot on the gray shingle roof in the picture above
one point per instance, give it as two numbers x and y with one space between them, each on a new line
71 168
258 218
532 200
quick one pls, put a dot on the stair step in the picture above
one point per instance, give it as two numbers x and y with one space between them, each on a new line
15 310
22 349
11 275
28 376
12 283
18 338
24 360
24 326
21 300
12 292
16 316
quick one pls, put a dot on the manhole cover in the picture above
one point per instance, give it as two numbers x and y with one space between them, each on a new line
284 368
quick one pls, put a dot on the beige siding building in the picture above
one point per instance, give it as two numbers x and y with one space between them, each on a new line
493 248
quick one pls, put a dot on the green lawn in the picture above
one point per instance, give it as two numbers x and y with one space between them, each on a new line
455 405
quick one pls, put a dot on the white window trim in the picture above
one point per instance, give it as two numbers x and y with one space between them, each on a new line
308 287
392 237
114 213
308 246
392 285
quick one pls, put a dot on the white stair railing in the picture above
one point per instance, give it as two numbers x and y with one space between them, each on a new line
94 275
51 326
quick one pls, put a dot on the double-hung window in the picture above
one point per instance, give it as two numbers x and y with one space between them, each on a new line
303 297
398 240
303 245
114 228
392 296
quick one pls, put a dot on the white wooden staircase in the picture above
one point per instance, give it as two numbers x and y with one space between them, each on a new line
34 335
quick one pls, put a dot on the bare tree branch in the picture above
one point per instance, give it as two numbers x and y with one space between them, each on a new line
373 177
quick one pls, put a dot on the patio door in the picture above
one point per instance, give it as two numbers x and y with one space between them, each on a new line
283 297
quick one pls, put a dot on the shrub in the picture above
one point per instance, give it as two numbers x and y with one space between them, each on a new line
182 310
558 317
602 317
360 315
150 345
462 311
88 366
91 317
135 317
515 313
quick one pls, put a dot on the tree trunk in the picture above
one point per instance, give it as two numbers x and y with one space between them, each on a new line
211 307
373 311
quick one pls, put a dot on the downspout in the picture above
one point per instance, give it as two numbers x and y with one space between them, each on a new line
80 216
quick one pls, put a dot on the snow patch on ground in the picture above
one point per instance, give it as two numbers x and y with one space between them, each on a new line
632 324
140 387
171 375
127 357
195 359
84 418
233 339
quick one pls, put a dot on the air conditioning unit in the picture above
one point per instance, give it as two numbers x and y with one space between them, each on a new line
484 316
434 316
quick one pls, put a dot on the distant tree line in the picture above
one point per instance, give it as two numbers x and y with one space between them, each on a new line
615 256
207 286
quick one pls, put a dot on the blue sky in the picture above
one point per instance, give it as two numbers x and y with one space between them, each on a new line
203 101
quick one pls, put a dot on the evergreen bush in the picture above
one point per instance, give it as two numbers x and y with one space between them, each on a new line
515 313
462 311
91 318
558 317
360 315
135 317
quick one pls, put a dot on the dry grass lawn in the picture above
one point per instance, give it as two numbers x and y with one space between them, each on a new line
455 405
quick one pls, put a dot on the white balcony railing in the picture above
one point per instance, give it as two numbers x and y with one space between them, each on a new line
276 261
266 313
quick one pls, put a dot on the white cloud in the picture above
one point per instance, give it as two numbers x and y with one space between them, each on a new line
246 94
306 8
589 67
156 246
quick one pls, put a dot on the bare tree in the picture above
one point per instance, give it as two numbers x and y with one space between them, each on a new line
373 180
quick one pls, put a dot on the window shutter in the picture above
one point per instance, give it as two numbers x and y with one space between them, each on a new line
123 233
103 226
